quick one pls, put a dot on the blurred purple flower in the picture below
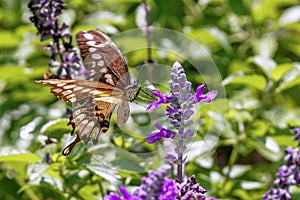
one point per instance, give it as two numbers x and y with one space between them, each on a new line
191 190
287 175
156 186
65 60
297 136
124 192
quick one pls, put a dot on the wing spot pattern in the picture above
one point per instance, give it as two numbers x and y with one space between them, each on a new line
96 56
65 93
57 90
109 78
92 49
103 70
93 44
69 87
101 63
97 92
78 88
92 73
61 84
85 90
88 36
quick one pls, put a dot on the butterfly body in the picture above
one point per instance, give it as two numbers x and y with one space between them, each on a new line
94 99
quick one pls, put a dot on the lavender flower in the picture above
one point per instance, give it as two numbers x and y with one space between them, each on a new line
297 136
152 185
155 186
287 175
179 112
181 102
158 187
45 18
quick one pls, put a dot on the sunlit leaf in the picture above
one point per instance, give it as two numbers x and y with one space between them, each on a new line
27 158
255 81
264 63
56 128
290 15
290 79
268 152
279 72
103 169
266 46
238 170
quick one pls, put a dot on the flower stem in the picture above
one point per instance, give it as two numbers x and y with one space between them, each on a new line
180 168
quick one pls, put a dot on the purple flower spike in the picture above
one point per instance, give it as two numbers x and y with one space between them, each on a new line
208 97
179 111
288 174
297 136
64 57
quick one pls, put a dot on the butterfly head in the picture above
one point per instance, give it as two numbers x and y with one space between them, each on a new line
130 93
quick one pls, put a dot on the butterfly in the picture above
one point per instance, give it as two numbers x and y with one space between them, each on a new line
94 99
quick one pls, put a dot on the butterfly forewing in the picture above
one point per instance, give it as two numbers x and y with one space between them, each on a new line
102 58
94 99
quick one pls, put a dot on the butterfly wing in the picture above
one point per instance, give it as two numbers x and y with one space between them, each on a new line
102 59
94 99
93 104
99 52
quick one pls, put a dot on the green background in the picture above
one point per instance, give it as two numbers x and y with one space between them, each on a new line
254 44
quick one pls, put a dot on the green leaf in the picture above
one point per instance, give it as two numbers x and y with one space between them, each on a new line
45 191
255 81
265 46
290 79
27 158
266 65
87 192
103 169
238 170
290 15
268 150
238 7
8 39
56 128
281 70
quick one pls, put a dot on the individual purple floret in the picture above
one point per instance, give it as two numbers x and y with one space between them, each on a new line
65 60
162 133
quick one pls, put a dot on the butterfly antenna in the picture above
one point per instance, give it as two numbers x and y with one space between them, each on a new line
148 94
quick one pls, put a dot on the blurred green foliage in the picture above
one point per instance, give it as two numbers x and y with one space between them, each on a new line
256 47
